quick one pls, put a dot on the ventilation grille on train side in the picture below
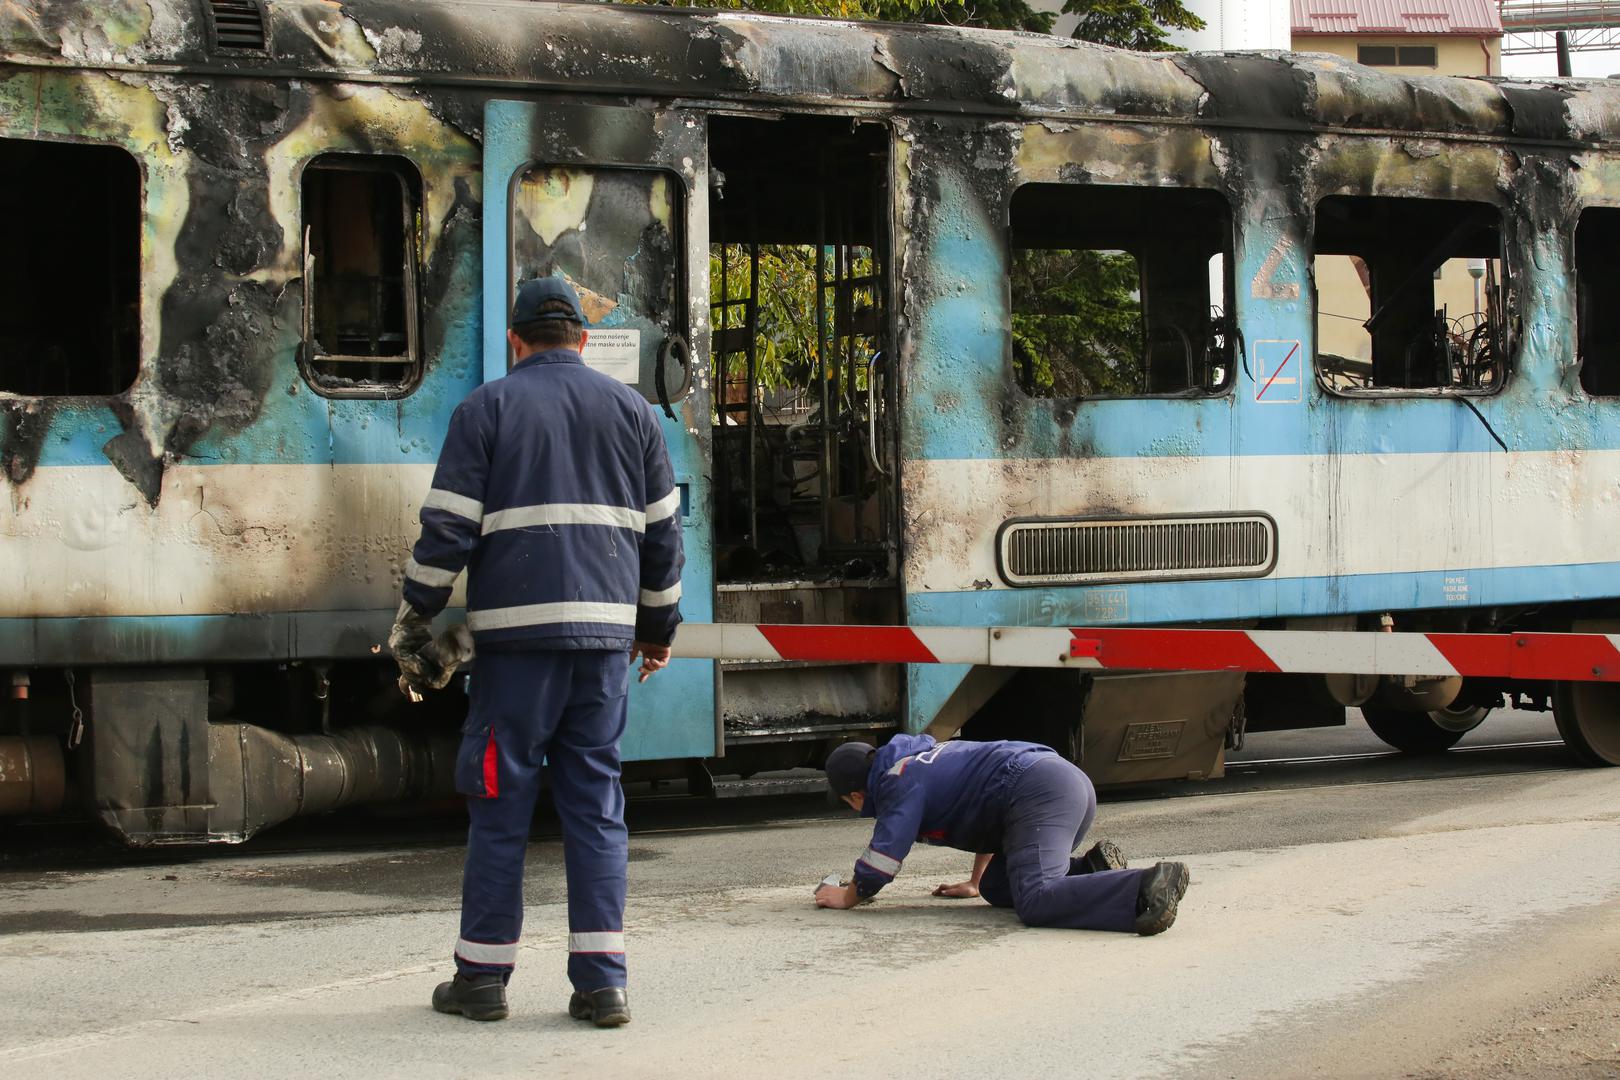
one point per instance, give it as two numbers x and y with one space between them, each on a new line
1087 551
238 25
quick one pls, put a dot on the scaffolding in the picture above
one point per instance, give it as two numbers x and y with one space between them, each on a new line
1532 26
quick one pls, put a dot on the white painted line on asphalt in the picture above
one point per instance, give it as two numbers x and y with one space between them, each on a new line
1371 754
72 1043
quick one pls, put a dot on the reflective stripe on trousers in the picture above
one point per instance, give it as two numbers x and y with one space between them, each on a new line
567 708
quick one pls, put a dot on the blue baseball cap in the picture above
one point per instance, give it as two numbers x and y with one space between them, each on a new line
534 294
846 769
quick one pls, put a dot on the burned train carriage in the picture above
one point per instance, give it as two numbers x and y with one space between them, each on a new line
944 328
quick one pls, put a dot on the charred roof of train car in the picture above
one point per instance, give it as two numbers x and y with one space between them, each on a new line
780 60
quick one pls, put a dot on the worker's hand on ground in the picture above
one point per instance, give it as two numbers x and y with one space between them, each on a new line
837 896
654 658
962 890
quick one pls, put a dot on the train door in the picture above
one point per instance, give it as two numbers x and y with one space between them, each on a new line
612 199
803 395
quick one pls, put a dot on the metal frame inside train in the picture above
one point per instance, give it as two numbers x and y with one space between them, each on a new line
257 251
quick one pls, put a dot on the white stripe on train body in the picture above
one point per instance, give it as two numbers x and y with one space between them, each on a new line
222 539
227 539
1333 512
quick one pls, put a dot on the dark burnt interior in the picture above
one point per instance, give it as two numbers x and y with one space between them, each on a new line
798 284
70 316
1118 291
1398 247
360 213
1597 313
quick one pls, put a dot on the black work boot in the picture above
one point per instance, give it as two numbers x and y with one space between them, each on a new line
1161 890
477 997
1103 855
607 1007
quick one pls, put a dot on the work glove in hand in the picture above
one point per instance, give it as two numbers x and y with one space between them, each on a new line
411 642
439 659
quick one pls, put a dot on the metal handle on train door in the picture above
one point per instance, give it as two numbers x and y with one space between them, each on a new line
307 346
665 351
872 412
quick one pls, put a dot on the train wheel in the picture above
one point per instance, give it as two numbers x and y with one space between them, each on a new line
1588 716
1431 732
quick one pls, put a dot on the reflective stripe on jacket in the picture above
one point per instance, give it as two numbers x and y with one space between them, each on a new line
554 492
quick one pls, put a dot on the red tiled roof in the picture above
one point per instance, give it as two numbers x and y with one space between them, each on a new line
1474 17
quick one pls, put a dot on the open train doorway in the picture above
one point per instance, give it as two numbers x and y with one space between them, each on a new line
803 411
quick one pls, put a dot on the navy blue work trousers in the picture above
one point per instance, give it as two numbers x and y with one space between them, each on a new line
1049 810
565 708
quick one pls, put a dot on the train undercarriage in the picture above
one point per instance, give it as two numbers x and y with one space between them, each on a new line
175 755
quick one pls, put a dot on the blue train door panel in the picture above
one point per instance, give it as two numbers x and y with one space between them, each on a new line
614 200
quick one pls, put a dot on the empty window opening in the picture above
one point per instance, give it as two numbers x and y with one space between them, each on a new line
803 398
1408 295
1119 291
70 285
362 219
1597 299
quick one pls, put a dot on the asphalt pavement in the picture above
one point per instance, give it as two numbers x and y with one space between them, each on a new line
1376 916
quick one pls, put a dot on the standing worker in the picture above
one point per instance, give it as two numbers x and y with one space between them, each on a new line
555 488
1021 807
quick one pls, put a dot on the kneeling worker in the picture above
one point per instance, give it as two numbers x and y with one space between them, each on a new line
1022 807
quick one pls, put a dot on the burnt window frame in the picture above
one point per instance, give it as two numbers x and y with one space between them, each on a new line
1507 342
141 182
1580 287
414 206
660 394
1228 323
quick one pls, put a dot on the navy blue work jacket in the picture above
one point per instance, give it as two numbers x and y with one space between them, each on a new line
951 793
554 491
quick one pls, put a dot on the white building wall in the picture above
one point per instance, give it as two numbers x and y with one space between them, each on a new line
1237 24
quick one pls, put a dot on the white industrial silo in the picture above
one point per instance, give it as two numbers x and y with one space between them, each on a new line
1237 24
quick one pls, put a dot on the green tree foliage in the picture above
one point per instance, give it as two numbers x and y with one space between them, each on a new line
1127 24
1077 328
785 347
988 14
1142 25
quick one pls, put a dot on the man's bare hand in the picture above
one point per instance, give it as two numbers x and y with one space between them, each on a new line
654 658
962 890
841 897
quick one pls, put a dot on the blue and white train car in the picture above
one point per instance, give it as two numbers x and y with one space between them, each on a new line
944 327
